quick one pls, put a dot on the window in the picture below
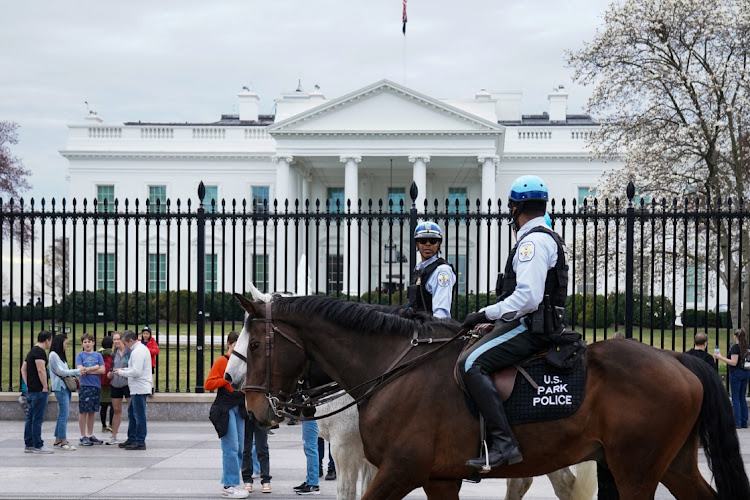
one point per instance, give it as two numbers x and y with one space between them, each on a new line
260 272
260 201
457 195
105 272
157 195
587 287
586 193
335 274
211 200
212 267
460 272
695 284
157 272
336 201
105 194
397 196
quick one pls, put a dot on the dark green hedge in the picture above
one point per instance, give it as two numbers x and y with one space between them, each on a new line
654 314
705 319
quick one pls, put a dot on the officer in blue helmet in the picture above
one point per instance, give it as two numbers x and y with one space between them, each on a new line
431 289
534 288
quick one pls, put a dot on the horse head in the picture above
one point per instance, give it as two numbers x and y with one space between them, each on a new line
275 361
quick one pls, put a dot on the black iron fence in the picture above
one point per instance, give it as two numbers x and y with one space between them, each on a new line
660 271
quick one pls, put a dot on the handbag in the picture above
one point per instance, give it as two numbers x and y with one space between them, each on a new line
71 382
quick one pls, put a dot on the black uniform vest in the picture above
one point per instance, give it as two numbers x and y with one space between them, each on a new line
419 298
556 284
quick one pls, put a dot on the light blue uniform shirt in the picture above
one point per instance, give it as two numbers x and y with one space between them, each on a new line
536 255
440 285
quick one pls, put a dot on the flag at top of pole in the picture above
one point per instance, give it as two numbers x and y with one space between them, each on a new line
403 20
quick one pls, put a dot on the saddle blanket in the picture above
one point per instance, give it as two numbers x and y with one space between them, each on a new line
558 395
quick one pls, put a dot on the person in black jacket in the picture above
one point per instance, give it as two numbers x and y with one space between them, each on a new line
699 351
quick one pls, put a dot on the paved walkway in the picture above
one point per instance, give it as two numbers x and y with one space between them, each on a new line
183 460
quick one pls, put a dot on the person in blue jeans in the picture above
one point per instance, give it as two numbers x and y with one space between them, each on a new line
138 374
310 445
738 376
58 368
34 375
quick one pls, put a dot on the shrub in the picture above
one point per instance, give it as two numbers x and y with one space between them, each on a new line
85 306
705 319
137 308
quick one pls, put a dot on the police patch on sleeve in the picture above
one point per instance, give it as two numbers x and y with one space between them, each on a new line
526 251
444 279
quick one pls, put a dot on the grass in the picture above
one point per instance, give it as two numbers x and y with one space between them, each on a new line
176 363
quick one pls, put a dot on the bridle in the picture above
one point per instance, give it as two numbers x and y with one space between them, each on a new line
312 398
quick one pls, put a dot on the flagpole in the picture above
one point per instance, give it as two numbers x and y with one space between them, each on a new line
403 30
404 59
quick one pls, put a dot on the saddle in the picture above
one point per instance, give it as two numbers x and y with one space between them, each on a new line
552 382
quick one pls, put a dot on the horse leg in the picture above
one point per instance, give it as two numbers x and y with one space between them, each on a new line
562 482
516 487
584 485
442 490
367 473
396 480
683 478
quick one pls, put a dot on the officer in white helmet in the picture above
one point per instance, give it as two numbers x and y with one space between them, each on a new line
431 289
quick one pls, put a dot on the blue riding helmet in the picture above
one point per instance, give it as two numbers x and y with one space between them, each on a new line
548 220
428 229
528 187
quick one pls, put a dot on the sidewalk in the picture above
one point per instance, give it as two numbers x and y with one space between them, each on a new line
183 460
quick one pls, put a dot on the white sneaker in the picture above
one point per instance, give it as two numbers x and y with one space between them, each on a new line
234 492
44 450
112 440
67 447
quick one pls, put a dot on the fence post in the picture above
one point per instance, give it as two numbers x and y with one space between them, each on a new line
629 256
200 321
413 192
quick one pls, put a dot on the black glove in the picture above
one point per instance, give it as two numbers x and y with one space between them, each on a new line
474 319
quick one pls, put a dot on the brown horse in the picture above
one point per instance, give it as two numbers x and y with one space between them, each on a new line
644 413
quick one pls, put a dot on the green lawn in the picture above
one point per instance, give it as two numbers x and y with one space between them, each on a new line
176 364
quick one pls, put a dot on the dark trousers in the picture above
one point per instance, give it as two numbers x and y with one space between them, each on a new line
508 343
322 453
253 431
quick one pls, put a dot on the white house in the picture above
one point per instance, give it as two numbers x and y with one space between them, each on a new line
369 144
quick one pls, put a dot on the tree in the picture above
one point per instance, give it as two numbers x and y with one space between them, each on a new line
672 88
53 280
13 176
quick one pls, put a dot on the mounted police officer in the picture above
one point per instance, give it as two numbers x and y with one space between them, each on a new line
534 288
431 290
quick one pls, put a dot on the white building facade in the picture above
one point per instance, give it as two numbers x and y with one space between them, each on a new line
370 144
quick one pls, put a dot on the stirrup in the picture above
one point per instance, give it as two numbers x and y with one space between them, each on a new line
486 467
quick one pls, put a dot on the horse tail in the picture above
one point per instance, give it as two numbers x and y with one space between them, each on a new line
585 483
717 432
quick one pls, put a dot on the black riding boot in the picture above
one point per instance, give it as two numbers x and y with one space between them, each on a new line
504 448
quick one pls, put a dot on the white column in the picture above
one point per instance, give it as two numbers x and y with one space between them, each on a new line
489 173
420 178
283 179
351 180
351 234
276 256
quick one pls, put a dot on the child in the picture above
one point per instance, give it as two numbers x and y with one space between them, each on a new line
90 390
106 398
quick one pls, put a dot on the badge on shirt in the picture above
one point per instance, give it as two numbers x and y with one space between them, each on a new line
444 278
526 251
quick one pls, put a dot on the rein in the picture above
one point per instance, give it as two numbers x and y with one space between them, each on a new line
329 392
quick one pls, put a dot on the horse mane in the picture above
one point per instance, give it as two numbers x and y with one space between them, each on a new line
371 318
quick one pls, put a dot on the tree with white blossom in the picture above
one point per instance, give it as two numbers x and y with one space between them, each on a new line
671 87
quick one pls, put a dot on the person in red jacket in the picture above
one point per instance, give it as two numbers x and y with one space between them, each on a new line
153 348
228 414
106 397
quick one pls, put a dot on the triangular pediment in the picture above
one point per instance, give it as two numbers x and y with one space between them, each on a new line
384 107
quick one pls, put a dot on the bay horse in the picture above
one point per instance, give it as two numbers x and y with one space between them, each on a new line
342 431
644 413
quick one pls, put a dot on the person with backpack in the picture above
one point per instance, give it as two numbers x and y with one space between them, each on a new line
738 376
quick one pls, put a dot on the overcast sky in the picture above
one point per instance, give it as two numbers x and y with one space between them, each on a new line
186 60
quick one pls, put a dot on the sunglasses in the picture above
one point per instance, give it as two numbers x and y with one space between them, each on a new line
431 241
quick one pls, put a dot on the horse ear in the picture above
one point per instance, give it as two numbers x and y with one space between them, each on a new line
248 305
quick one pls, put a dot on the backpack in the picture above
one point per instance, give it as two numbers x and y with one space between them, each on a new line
746 359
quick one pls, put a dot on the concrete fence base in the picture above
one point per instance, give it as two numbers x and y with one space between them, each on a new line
160 407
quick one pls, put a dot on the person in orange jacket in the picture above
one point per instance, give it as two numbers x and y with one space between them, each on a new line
228 414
